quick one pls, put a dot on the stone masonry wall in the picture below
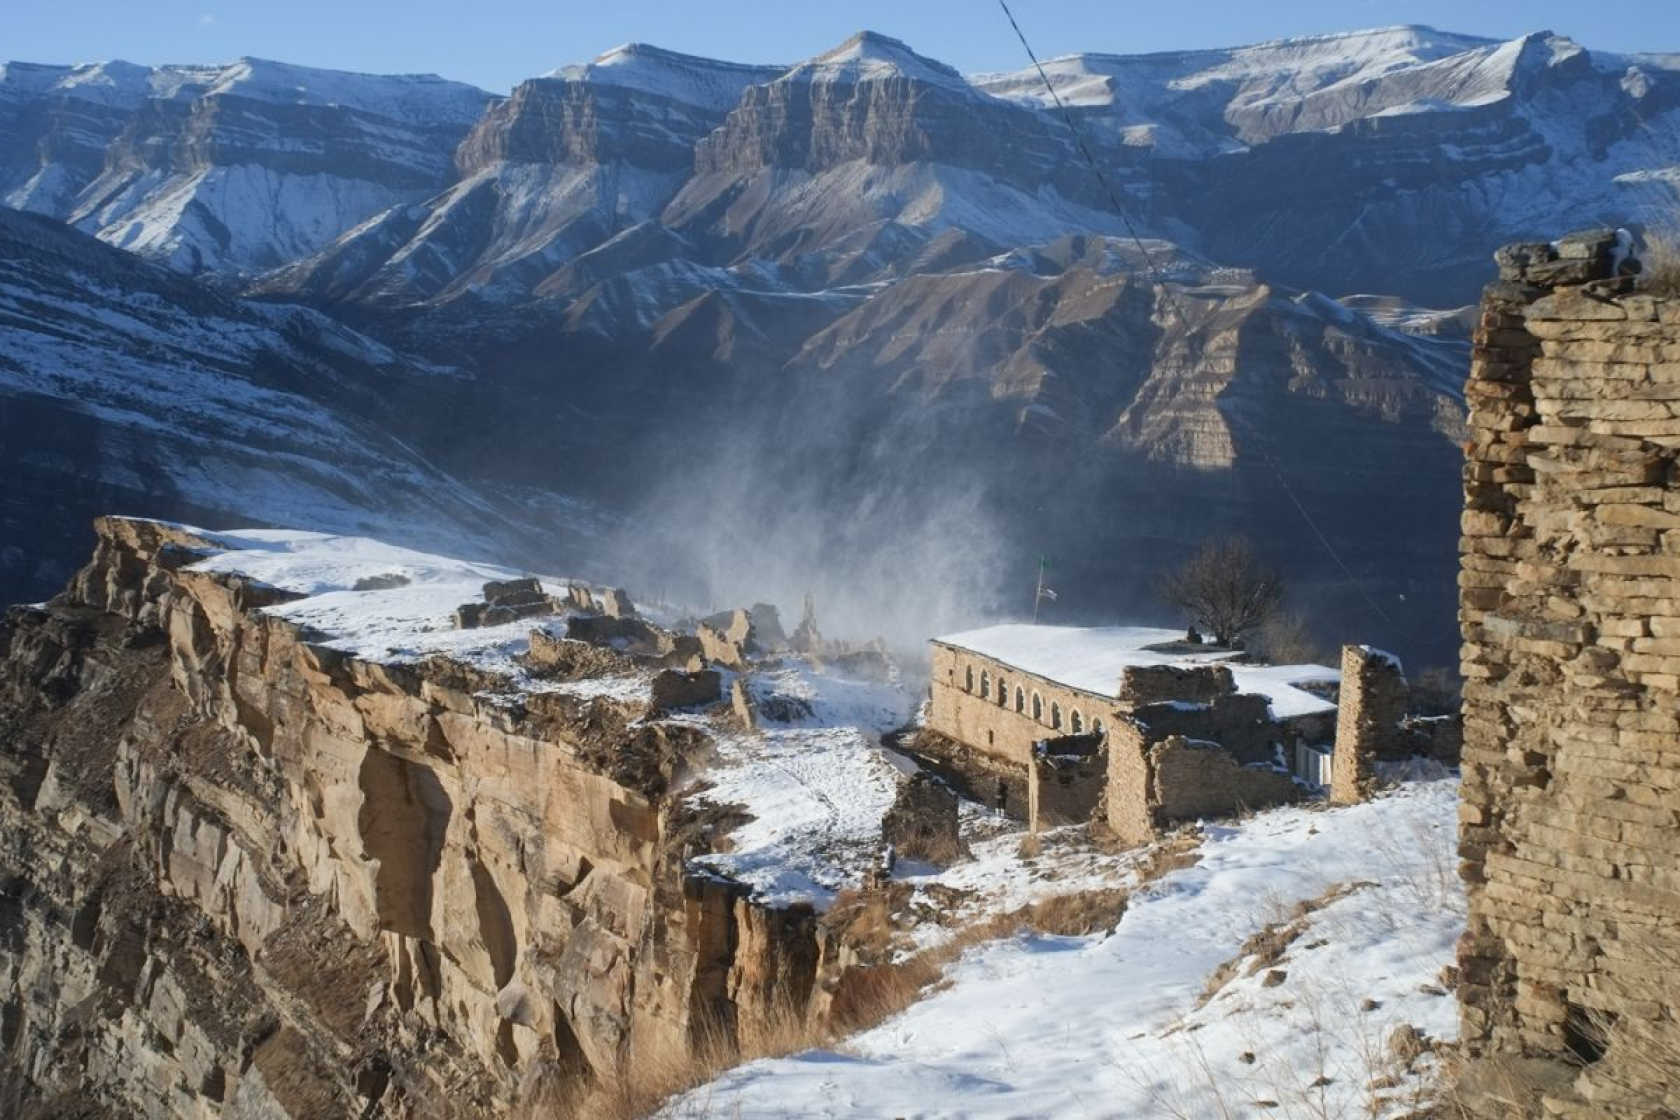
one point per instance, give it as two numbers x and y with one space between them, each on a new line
1196 779
1131 815
975 716
1369 710
1065 781
1155 781
1570 607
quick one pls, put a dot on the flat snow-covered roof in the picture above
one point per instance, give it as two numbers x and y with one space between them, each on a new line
1092 658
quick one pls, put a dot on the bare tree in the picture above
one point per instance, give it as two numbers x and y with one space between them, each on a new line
1225 588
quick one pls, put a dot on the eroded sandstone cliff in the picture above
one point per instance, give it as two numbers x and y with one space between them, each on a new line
245 874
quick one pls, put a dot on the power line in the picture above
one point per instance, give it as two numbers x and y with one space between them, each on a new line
1171 300
1096 168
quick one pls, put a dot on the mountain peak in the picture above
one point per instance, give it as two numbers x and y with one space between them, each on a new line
706 82
869 55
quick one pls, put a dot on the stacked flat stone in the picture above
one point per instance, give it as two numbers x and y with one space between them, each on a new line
1369 710
1570 608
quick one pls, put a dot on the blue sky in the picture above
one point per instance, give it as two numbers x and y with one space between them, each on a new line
497 43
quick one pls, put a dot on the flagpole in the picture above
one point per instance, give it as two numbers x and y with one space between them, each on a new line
1038 595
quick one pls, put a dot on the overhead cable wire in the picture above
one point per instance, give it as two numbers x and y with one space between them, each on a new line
1171 300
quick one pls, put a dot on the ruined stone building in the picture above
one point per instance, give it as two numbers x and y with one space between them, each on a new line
1570 607
1053 718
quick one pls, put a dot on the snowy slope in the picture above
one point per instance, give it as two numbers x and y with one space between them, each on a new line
1109 1025
869 56
125 387
407 98
683 78
224 168
1139 92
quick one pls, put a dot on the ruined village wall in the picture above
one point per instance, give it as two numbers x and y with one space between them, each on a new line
1131 815
1156 781
1370 707
1195 779
1065 782
1570 607
975 715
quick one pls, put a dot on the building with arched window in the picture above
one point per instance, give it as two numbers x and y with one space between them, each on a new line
1075 690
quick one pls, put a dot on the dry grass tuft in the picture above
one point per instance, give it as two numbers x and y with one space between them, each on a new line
1267 946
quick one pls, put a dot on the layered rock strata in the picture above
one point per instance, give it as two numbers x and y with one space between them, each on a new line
245 874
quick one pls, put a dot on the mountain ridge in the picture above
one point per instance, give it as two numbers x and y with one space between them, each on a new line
862 284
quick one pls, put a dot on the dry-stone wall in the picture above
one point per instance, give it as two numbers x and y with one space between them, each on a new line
1570 605
1369 710
1065 780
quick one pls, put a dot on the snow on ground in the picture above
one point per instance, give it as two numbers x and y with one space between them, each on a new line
707 82
816 787
1107 1025
1005 875
1092 659
405 623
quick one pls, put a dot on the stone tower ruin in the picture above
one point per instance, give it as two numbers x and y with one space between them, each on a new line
1570 607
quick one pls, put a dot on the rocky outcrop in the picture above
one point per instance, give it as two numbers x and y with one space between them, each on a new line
246 874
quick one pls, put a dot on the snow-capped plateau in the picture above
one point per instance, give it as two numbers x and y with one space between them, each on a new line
227 169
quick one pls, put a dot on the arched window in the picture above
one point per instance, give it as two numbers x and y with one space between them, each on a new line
1056 716
1076 723
985 684
1096 727
1020 699
1003 693
1038 707
968 680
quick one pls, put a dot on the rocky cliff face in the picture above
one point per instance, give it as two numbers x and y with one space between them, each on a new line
246 875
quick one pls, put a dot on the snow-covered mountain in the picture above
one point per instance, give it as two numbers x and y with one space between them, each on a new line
126 387
225 169
1294 157
561 167
882 289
